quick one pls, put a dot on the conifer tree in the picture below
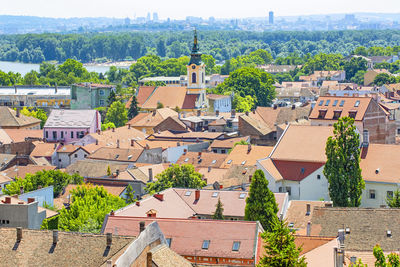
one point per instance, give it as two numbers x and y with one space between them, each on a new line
219 211
108 170
133 108
261 205
280 249
130 194
394 201
342 168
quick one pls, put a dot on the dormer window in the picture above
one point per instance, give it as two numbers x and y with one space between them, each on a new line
336 114
352 114
322 114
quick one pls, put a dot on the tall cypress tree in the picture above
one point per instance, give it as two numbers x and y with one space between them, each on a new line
219 211
342 168
133 108
261 205
280 249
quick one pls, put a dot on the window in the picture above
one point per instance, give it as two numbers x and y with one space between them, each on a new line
223 151
76 155
289 190
336 114
242 195
302 170
47 134
206 244
341 103
188 193
101 92
194 78
357 103
101 102
214 161
372 194
62 134
243 162
59 160
321 103
321 114
236 246
54 135
169 240
389 194
72 134
327 102
229 161
352 114
335 103
215 151
187 159
215 194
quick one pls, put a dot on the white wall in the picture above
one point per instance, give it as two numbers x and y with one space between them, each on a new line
172 154
312 188
380 194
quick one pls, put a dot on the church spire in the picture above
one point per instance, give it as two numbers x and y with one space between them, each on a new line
195 55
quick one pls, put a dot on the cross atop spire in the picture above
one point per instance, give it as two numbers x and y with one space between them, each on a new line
195 55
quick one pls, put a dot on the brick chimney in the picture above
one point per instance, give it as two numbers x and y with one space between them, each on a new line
31 200
197 195
141 226
118 143
18 113
150 175
233 113
159 196
248 148
129 126
138 203
149 259
19 234
184 151
132 142
109 239
113 129
55 237
217 113
7 200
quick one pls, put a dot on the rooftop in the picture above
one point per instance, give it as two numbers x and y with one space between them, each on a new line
246 155
202 159
71 118
9 118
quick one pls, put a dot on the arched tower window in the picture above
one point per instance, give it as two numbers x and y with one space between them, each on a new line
194 78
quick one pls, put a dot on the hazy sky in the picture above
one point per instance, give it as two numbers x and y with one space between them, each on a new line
179 9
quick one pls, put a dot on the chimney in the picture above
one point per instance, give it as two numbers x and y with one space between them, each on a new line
109 263
250 176
159 196
112 213
56 89
198 113
199 155
293 106
209 168
129 126
149 262
113 129
217 113
21 190
7 200
150 175
31 200
55 237
109 239
275 106
233 113
247 113
197 195
254 111
18 113
118 143
248 148
184 151
117 172
308 210
97 142
19 234
154 112
15 89
138 203
141 226
309 228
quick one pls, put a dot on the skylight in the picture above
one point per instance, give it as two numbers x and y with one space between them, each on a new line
214 161
243 162
341 103
215 194
242 195
188 193
335 103
236 246
187 159
327 102
206 244
357 103
229 161
321 103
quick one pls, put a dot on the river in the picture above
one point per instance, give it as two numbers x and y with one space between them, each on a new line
24 68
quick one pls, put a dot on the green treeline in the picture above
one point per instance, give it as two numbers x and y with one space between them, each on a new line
222 45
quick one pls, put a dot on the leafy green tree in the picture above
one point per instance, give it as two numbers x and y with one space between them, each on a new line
358 78
106 126
117 114
219 211
44 178
155 83
112 97
323 61
353 66
130 194
38 114
89 205
391 260
133 108
280 249
31 78
243 104
342 168
384 78
394 201
261 205
183 176
209 61
241 142
160 105
108 170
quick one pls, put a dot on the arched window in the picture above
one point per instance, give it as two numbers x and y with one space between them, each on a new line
194 78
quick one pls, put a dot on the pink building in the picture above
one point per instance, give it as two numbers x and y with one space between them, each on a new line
70 125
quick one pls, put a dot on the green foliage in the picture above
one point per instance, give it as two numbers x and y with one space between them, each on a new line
323 62
130 194
108 170
252 82
112 97
50 223
243 104
342 168
154 83
133 108
117 114
160 105
391 260
359 264
31 78
44 178
358 78
384 78
280 249
183 176
394 202
106 126
261 205
89 205
219 211
241 142
36 113
353 66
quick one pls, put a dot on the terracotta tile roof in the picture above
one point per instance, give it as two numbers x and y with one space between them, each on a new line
258 127
19 135
367 226
303 143
68 148
240 155
5 179
124 134
71 249
188 135
41 161
269 165
344 104
190 101
164 256
22 171
143 94
296 214
169 96
221 234
212 175
117 154
219 122
235 176
95 168
152 119
215 97
309 243
202 159
173 124
8 118
43 149
228 143
377 163
296 170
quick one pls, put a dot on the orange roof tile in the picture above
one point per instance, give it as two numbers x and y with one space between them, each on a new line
228 143
43 149
202 159
152 119
240 155
19 135
22 171
169 96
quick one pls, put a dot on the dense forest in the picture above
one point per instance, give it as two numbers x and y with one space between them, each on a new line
222 45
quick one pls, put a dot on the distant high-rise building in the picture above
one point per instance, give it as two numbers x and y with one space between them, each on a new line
271 17
155 16
127 21
148 18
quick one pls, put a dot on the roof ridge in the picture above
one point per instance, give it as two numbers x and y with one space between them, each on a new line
195 212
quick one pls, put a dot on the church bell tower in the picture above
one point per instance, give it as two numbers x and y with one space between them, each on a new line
196 70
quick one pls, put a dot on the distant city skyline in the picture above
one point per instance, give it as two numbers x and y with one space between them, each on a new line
180 9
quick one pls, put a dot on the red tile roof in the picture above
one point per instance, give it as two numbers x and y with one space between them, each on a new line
187 235
189 102
143 94
295 170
